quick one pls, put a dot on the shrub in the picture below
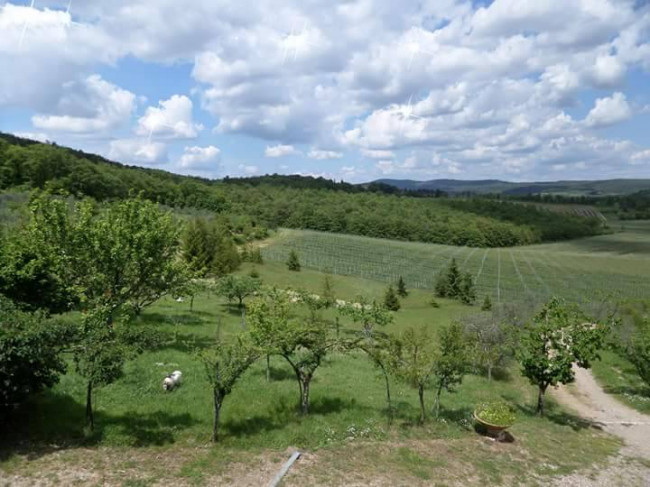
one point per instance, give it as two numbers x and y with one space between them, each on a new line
293 263
30 347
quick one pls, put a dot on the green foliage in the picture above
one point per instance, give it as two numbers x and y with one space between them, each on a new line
391 300
254 273
293 263
224 364
412 359
302 343
487 304
450 360
30 353
558 336
252 205
328 296
369 315
237 287
497 413
638 352
401 288
455 285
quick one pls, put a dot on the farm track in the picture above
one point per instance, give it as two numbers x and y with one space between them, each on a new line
578 270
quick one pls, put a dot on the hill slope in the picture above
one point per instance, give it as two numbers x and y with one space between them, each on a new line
572 188
289 201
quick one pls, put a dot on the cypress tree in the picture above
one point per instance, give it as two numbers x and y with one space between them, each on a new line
487 303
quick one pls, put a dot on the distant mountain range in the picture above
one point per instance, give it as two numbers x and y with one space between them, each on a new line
483 186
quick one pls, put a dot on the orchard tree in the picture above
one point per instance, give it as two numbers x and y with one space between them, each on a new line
490 341
638 351
558 336
391 300
412 360
401 288
450 361
118 259
379 349
293 263
238 287
302 342
224 365
369 315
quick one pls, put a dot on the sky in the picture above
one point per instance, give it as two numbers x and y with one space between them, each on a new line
354 90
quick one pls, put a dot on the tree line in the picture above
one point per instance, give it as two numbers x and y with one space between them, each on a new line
256 204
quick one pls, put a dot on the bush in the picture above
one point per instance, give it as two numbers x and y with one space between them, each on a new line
497 413
30 346
391 301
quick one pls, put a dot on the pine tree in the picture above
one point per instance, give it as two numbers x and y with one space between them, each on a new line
401 288
467 293
391 300
487 304
293 263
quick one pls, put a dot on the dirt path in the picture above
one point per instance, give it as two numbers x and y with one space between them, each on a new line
588 399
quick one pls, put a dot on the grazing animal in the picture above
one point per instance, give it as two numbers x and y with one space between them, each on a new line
172 381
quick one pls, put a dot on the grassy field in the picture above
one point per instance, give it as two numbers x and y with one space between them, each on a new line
146 437
579 269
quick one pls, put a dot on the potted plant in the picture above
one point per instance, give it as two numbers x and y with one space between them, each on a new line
494 417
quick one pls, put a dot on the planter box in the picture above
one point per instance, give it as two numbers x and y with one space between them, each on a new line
492 430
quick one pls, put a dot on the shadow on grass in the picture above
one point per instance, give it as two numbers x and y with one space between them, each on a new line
556 415
184 318
56 421
285 412
187 342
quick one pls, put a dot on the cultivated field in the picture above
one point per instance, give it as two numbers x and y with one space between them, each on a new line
579 269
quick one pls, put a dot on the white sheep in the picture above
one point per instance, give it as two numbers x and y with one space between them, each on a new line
172 381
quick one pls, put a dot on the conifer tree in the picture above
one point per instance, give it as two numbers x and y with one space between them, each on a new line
401 287
487 304
293 263
391 300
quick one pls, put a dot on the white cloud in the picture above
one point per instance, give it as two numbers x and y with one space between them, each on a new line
489 84
377 154
609 111
90 105
324 154
641 157
280 151
142 151
249 170
171 118
200 157
39 136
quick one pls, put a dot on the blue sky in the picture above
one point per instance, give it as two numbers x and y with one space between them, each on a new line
354 90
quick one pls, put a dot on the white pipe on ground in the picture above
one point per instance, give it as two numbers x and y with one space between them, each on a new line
276 480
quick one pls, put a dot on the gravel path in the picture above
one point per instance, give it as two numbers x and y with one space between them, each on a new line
590 402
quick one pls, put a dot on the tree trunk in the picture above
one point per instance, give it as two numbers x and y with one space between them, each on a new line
304 406
298 378
390 408
489 367
437 403
218 400
422 411
268 367
241 302
90 420
540 400
191 303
